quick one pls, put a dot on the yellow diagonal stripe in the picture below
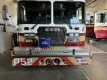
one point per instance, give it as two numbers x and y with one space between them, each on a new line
22 38
100 28
82 38
89 26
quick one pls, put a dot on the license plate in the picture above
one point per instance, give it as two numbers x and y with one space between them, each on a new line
81 60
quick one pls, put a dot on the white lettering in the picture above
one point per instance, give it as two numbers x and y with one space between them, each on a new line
23 61
16 61
44 42
29 61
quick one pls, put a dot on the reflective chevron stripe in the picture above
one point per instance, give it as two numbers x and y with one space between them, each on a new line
35 61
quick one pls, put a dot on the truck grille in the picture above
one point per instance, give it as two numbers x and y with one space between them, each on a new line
57 35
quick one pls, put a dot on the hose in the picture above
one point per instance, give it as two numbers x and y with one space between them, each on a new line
15 39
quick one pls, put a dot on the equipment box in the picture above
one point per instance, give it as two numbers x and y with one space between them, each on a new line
44 42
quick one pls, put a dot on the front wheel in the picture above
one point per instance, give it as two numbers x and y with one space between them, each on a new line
98 40
93 35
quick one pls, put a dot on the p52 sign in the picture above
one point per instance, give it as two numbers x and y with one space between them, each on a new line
22 61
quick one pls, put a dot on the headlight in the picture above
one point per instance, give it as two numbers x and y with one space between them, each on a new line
26 34
32 35
76 34
84 29
29 34
71 34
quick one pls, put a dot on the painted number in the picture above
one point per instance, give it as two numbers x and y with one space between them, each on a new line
23 61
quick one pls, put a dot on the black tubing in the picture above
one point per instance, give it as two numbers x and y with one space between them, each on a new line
15 39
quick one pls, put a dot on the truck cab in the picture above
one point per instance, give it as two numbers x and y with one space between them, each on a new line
100 26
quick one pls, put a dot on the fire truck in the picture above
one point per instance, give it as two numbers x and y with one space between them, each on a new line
51 33
89 25
100 25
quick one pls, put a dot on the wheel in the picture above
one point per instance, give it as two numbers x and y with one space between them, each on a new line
98 40
93 35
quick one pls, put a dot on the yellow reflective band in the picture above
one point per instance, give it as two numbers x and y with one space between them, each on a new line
82 38
22 38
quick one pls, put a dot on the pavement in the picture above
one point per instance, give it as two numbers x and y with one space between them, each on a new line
97 47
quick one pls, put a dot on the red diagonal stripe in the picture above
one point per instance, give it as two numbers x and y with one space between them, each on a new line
36 63
68 62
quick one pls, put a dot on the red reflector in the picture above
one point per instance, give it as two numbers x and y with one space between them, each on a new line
36 34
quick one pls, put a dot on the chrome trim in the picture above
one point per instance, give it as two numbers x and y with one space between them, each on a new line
64 51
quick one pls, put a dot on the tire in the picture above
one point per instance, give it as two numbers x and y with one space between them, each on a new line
15 39
98 40
93 35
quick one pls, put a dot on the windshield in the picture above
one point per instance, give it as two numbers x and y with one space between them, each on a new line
100 18
34 12
69 12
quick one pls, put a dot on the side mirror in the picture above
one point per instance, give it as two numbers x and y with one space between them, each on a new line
5 14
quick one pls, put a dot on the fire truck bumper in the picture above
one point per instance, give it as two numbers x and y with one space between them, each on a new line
30 56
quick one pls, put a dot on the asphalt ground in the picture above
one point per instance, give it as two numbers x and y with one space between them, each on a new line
101 45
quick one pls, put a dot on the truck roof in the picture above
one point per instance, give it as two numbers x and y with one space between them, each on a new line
101 11
53 0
